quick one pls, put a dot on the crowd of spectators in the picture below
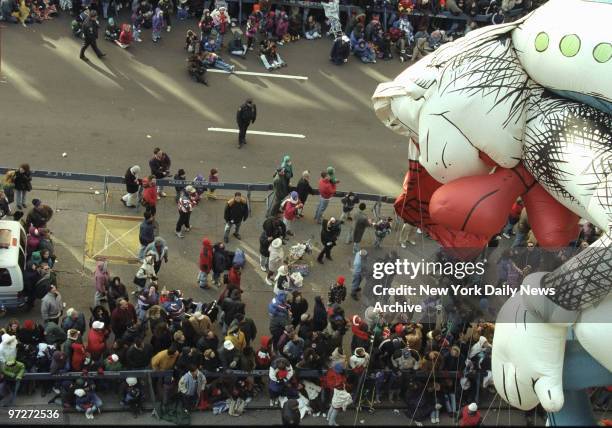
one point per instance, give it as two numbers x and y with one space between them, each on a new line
316 357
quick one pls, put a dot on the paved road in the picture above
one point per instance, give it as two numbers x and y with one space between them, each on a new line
101 112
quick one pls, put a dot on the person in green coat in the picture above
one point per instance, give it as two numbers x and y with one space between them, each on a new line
280 188
13 372
287 166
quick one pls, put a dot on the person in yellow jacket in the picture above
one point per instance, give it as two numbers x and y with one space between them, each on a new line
165 359
23 13
237 337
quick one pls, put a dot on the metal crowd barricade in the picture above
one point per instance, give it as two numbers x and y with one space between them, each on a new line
106 180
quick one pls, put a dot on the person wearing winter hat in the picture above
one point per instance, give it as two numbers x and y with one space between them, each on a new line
96 340
290 207
87 402
132 184
470 416
337 292
275 260
188 199
330 231
206 263
112 363
132 395
236 212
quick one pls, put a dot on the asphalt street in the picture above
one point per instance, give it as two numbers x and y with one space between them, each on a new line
109 114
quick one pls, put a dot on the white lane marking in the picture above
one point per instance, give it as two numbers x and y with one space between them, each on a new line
272 134
253 73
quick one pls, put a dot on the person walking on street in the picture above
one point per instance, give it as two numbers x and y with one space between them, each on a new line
337 292
23 185
330 230
407 234
327 189
146 234
304 189
359 271
185 205
247 114
236 211
290 207
360 224
159 249
132 184
51 306
160 168
149 194
206 263
90 35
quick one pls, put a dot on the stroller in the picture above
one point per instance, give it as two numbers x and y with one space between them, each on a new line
296 260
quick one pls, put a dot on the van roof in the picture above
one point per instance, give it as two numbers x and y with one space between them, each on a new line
9 242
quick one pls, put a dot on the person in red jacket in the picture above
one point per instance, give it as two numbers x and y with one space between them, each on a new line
327 189
125 37
96 340
149 194
206 262
123 317
233 277
470 416
513 218
291 207
333 378
78 356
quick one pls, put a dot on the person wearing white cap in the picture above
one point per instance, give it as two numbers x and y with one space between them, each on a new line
470 416
132 395
276 259
96 340
229 356
85 402
187 200
132 184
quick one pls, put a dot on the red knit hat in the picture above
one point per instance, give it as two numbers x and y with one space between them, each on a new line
399 328
340 280
28 325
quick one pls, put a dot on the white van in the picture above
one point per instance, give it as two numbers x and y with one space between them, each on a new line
12 264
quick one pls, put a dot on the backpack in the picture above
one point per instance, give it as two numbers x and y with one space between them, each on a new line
42 286
239 258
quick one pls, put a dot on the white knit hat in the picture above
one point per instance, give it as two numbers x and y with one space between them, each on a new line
114 358
131 381
228 345
473 407
79 392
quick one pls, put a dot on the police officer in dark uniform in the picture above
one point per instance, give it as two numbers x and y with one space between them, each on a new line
90 33
247 113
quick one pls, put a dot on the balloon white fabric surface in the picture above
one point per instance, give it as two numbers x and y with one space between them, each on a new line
567 45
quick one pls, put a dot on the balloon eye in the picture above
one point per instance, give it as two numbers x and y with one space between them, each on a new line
602 52
541 42
570 45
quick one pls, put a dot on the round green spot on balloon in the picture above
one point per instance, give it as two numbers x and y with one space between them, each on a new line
570 45
602 52
541 42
